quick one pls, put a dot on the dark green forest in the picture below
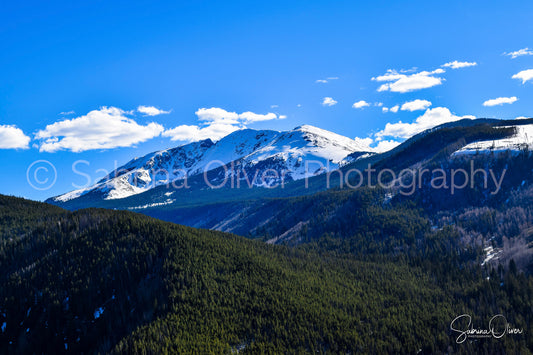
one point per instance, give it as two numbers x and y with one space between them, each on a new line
102 281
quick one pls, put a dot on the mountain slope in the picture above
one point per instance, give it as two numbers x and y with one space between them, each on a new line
257 152
99 281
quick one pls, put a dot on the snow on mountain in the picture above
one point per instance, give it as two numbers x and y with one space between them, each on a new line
306 151
523 138
301 152
142 174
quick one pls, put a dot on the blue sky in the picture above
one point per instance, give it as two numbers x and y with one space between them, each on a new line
73 74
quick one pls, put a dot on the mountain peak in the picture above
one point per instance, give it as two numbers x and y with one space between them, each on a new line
262 150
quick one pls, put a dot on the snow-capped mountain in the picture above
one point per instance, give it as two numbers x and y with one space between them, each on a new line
296 154
522 139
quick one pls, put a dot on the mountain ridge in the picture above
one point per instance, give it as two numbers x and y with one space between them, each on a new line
284 152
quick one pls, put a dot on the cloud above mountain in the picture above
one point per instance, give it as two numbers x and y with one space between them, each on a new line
402 82
500 101
327 80
524 75
328 101
360 104
392 109
105 128
416 105
519 53
215 123
372 145
151 110
12 137
457 65
431 118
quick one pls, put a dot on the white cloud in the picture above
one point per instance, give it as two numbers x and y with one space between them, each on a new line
380 147
66 113
193 133
431 118
378 104
12 137
524 75
385 109
217 115
519 53
360 104
416 105
364 142
216 123
282 117
500 101
274 106
151 110
456 65
394 109
105 128
399 82
249 117
384 146
324 81
328 101
522 118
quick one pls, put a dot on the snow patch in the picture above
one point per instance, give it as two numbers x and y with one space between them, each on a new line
490 254
523 138
155 204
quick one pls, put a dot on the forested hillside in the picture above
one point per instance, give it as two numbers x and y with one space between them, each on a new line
98 281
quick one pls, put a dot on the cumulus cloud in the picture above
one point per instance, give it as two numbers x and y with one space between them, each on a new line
385 145
456 64
12 137
401 82
219 115
216 123
369 144
392 109
249 117
416 105
105 128
151 110
524 75
216 114
328 101
193 133
364 142
360 104
500 101
519 53
431 118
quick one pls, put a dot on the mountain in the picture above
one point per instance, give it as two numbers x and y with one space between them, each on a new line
263 157
103 281
330 268
199 205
